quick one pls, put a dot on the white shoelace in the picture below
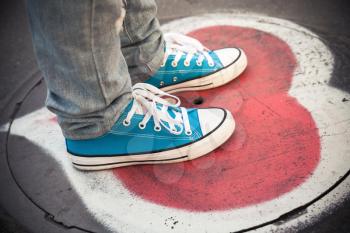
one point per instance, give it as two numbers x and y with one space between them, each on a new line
180 45
146 98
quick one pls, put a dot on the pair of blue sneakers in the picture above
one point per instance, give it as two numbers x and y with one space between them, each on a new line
153 128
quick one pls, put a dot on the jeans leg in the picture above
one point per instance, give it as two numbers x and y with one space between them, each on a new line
141 39
77 43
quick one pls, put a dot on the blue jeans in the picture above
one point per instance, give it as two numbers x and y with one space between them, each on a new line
90 52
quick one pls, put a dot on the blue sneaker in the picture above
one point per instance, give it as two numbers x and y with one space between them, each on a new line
153 130
189 66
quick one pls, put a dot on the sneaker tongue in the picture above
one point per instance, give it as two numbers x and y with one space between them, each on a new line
171 113
140 110
143 110
171 51
170 110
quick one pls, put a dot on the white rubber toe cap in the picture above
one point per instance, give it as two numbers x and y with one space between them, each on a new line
228 55
210 119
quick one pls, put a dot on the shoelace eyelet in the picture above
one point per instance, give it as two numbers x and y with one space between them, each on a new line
126 123
211 64
157 128
188 133
199 63
173 63
186 63
142 126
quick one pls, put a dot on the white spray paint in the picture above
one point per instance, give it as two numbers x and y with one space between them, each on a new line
121 211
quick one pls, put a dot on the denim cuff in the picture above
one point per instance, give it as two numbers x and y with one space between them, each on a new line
145 69
154 64
97 125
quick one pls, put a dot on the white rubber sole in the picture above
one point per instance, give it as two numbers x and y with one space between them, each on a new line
216 79
189 152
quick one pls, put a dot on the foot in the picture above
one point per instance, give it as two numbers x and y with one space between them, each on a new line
153 130
188 65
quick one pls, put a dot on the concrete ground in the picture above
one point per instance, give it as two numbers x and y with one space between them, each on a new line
40 193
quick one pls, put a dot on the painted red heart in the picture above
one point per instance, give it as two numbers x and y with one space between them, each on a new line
275 148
